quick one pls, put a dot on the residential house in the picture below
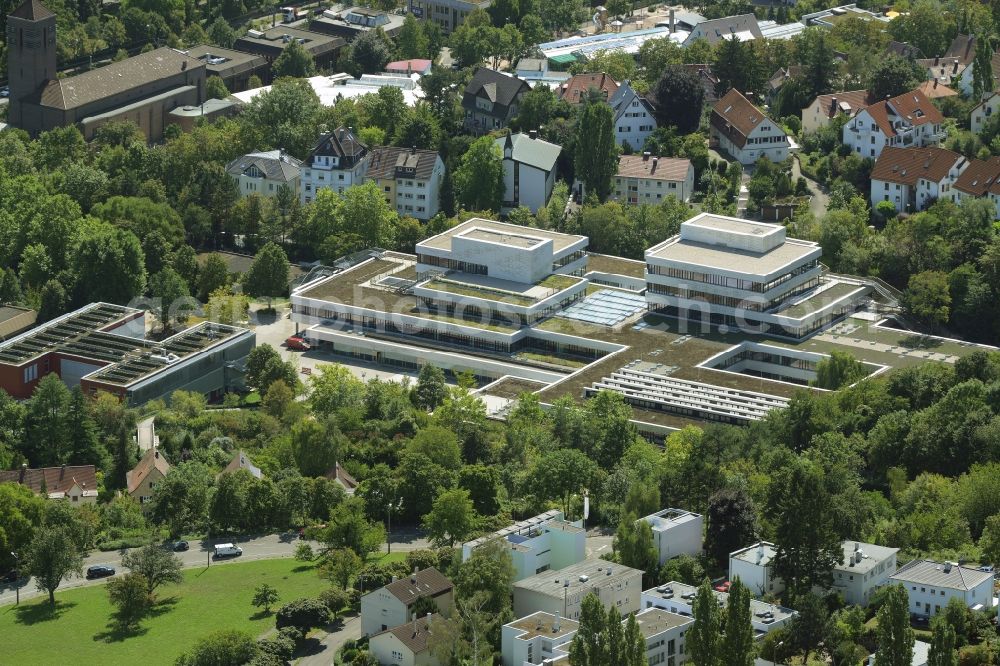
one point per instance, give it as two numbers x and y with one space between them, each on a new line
242 461
930 585
337 162
864 568
981 180
676 532
646 179
679 598
780 77
544 638
942 70
962 47
410 179
421 66
965 82
575 90
536 71
140 481
491 99
264 173
907 120
708 80
541 543
742 130
392 605
342 478
534 638
634 119
903 50
405 645
563 591
76 483
754 566
982 112
827 107
914 178
935 90
529 170
743 27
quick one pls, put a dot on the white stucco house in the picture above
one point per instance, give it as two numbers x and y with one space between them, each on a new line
634 120
914 178
930 585
264 173
982 112
391 605
529 170
647 179
905 121
745 132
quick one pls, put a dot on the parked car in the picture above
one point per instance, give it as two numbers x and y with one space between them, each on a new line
298 343
12 576
100 571
5 92
227 550
723 587
181 546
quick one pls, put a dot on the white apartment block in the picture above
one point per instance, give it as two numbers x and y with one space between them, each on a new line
538 544
676 532
449 14
634 120
391 605
563 591
982 112
679 598
543 638
930 585
754 567
914 178
644 179
742 130
409 178
864 568
535 638
908 120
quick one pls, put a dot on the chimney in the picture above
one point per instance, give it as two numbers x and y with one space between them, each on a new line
413 150
414 624
857 546
655 160
673 26
24 470
533 134
556 624
646 155
156 453
947 567
413 576
62 472
393 578
760 552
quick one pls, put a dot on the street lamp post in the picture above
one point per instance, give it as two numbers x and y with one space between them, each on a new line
774 655
388 532
17 580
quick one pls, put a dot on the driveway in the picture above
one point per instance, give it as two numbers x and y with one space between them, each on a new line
272 546
323 650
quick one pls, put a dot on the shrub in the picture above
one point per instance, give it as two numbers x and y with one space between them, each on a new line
221 648
335 599
303 614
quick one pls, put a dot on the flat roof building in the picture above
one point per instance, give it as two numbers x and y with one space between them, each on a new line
753 566
679 598
864 568
563 591
534 638
742 274
676 532
542 543
101 347
234 67
272 42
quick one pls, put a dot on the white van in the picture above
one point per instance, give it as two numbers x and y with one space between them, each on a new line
227 550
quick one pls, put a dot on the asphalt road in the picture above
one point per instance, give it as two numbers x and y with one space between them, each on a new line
272 546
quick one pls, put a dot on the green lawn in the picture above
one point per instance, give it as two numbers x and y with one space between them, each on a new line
216 598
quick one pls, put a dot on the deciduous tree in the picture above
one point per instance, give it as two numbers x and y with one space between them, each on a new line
268 274
596 158
156 566
51 557
452 517
479 177
678 98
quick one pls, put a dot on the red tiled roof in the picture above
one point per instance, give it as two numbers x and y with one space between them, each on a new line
151 460
934 89
848 101
735 117
654 168
57 479
908 165
980 177
575 89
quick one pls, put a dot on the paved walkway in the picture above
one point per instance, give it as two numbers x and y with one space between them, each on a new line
820 201
323 652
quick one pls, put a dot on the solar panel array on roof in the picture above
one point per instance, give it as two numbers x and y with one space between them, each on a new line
606 307
77 333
